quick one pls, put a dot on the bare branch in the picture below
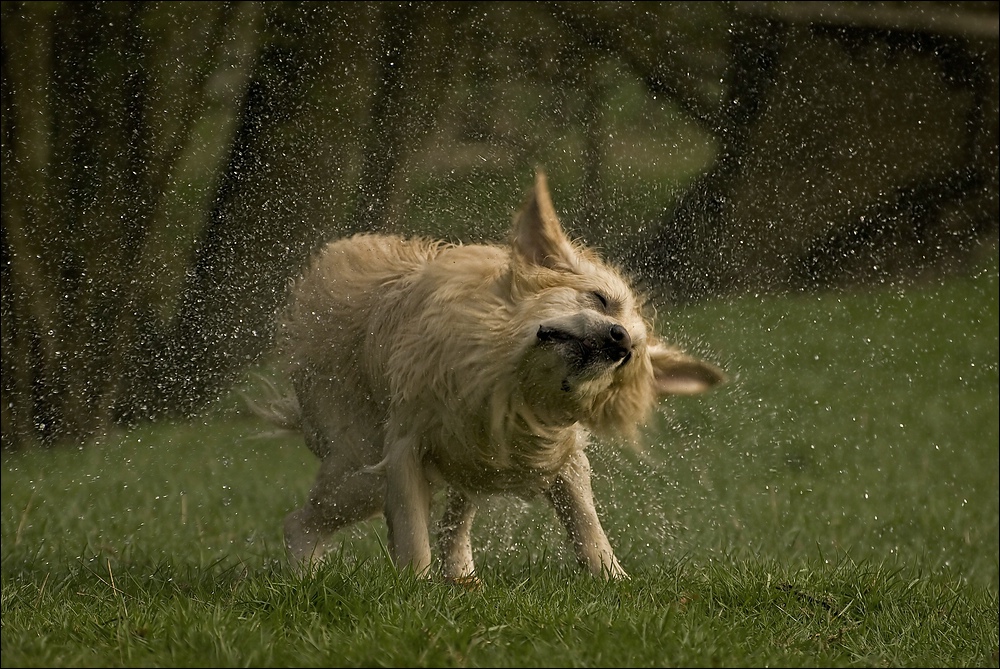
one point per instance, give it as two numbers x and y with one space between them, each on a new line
917 17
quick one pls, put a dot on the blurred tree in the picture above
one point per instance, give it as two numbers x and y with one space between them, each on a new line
100 106
167 167
855 141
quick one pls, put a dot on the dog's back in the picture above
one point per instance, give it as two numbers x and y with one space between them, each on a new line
336 302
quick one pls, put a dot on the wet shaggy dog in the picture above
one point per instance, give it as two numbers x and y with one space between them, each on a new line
418 363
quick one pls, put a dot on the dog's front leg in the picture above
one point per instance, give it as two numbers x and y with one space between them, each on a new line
573 499
455 539
407 507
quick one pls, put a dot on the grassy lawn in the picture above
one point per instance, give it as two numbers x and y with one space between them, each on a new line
835 505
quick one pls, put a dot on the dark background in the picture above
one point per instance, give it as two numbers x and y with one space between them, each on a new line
168 167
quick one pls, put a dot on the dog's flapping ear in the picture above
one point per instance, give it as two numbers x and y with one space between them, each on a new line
676 373
537 237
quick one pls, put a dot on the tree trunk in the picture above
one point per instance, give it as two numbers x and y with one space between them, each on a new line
88 161
415 53
683 256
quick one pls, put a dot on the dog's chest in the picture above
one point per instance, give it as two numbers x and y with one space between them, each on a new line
523 466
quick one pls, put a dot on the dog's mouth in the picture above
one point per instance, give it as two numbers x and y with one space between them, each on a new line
592 353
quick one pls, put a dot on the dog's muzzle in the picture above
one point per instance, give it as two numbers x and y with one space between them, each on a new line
612 344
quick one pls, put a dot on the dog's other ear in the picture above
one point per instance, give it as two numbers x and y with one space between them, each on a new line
675 373
537 236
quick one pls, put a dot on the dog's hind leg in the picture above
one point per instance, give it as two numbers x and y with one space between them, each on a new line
342 495
573 499
347 488
455 539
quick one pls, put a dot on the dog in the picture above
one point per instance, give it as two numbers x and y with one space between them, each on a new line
483 368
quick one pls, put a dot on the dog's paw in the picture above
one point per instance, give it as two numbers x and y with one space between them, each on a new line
470 582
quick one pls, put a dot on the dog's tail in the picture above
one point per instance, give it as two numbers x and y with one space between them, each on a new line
276 407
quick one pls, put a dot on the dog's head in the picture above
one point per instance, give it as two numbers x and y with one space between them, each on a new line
590 356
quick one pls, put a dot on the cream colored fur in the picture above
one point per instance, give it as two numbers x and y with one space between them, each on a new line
418 363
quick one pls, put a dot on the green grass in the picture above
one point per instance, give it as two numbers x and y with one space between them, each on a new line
835 505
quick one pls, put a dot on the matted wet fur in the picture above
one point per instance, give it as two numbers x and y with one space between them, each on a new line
417 363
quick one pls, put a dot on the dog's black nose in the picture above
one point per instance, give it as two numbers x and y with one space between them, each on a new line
620 335
619 344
